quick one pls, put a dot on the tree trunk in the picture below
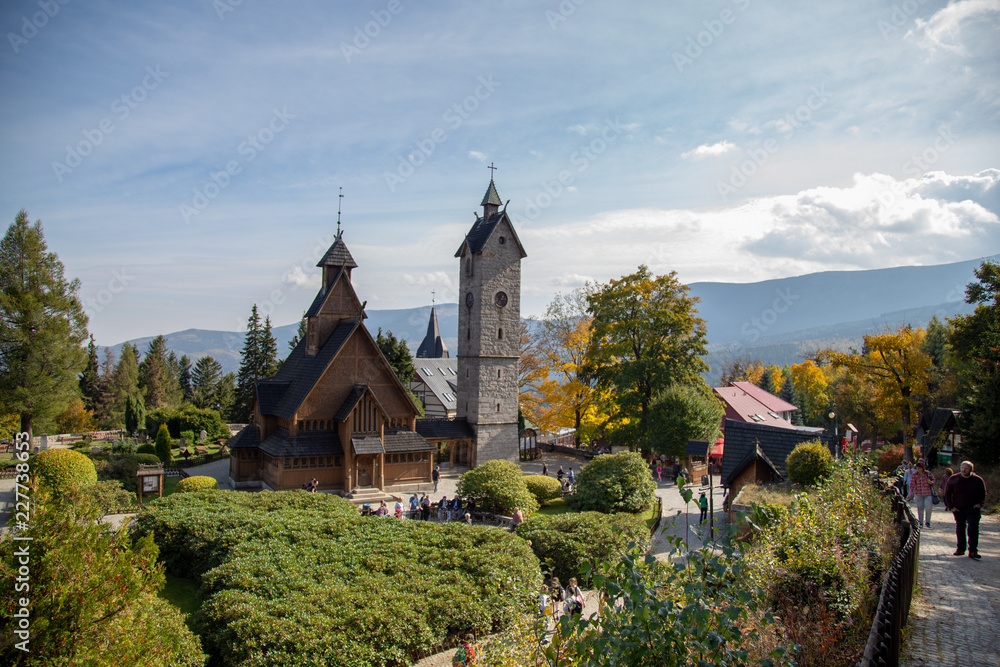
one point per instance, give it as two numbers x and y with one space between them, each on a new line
26 424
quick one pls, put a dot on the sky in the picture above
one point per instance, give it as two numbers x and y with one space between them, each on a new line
186 158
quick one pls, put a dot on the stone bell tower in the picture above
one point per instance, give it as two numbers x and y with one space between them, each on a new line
488 331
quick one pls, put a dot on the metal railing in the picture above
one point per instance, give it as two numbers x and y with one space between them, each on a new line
886 637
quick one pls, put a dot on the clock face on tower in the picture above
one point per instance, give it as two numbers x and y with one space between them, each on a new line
500 299
469 299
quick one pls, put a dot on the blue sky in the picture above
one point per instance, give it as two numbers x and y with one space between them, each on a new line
185 158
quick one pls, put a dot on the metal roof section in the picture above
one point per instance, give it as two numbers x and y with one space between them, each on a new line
744 406
437 376
433 346
766 398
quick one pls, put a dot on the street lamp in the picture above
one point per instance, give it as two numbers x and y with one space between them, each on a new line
833 418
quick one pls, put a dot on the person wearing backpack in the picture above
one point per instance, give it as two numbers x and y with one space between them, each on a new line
466 653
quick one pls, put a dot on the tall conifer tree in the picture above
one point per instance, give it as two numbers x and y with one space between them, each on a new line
259 362
42 328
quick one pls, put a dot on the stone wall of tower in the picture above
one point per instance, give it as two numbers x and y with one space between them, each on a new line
489 345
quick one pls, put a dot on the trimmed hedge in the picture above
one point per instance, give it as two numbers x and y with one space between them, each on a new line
564 542
188 418
809 463
497 486
58 469
297 578
544 489
615 483
196 483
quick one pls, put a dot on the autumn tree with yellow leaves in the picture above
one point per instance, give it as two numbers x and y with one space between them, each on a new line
897 368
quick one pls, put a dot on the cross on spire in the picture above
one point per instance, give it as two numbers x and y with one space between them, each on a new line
432 298
492 169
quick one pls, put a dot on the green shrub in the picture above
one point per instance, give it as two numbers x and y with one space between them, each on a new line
61 469
889 458
196 483
126 446
188 418
544 489
565 542
497 486
615 483
146 448
299 578
147 459
121 469
189 438
163 444
768 514
809 462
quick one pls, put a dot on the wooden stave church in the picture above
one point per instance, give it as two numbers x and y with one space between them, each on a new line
335 410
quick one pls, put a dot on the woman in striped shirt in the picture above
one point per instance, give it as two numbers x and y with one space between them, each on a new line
921 485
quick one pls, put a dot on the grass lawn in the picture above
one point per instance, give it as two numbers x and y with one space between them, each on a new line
170 485
183 594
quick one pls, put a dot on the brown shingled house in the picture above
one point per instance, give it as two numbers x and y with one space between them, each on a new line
335 410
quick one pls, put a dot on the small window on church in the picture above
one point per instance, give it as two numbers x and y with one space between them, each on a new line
498 373
500 334
468 266
498 407
468 334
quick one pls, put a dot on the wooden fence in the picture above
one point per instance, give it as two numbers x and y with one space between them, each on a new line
886 636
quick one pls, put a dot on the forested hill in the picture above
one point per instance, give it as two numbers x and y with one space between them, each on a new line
776 320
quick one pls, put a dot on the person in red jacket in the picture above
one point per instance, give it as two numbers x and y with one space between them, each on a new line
965 495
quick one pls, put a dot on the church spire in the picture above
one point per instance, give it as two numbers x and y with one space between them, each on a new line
491 200
433 346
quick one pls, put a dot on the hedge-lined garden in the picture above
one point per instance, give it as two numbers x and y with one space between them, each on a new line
293 578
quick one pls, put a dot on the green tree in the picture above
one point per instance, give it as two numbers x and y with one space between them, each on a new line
124 383
497 486
135 413
42 328
205 379
645 336
976 341
397 354
163 444
684 412
300 333
258 362
157 381
184 377
93 593
809 463
90 377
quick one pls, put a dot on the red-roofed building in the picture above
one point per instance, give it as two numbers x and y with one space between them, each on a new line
746 402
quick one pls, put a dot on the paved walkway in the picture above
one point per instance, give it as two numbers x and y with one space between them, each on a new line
955 617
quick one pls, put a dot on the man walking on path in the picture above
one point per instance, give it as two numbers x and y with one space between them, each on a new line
436 476
965 495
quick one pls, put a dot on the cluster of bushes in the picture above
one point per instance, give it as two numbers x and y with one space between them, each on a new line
820 562
889 458
615 483
499 487
545 489
292 578
566 542
187 418
196 483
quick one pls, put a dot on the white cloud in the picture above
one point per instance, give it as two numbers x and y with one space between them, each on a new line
476 155
942 30
578 129
296 278
706 150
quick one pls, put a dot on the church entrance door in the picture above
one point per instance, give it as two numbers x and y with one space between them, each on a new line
364 471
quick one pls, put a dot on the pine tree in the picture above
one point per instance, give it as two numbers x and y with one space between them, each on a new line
258 362
156 380
163 443
184 377
300 333
42 328
205 380
135 414
90 378
125 382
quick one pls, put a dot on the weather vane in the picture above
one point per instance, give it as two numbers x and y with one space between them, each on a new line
339 202
432 298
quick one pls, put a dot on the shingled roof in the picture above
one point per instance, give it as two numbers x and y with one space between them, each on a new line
269 395
432 347
248 437
403 440
492 197
369 444
313 443
444 429
757 453
775 442
338 255
302 372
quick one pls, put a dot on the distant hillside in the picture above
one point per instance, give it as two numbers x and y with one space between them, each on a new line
776 320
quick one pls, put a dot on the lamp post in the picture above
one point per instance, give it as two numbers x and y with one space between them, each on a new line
836 436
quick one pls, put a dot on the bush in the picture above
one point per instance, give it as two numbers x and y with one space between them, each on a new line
163 444
121 469
889 458
126 446
189 438
188 418
299 578
196 483
61 469
544 489
146 448
615 483
147 459
809 462
497 486
565 542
